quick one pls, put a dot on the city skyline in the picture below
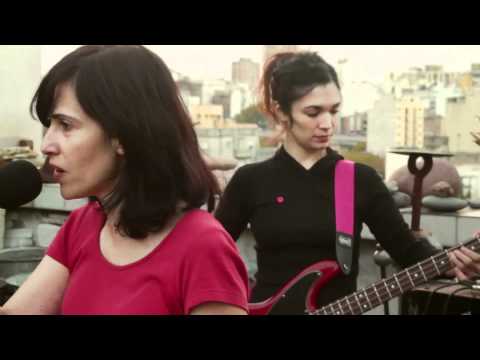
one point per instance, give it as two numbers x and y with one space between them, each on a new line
367 62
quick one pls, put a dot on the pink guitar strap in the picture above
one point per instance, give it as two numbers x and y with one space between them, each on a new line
345 213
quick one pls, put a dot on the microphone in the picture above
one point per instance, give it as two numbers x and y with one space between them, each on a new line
20 183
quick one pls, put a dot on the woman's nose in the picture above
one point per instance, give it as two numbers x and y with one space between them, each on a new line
326 121
49 144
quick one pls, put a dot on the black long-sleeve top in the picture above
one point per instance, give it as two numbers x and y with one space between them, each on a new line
292 217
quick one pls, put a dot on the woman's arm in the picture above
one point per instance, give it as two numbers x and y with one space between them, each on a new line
233 211
41 293
213 308
386 222
391 231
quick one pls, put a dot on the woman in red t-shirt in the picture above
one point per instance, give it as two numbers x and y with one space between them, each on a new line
119 134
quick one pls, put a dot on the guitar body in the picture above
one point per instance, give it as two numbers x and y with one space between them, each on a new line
318 274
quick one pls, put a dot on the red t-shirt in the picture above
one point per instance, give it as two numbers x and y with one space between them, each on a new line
197 262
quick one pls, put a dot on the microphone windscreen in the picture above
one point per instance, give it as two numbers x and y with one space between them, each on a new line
20 183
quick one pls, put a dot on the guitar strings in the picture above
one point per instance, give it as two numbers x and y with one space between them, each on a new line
427 268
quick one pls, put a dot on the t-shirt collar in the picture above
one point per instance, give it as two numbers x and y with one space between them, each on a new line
322 165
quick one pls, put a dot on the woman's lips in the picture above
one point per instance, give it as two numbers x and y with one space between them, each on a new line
58 173
321 139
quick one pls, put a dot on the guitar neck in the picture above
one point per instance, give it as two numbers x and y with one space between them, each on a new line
385 290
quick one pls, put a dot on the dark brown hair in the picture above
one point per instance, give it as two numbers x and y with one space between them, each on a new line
289 76
131 93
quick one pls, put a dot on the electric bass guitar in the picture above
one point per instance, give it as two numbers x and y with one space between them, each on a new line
365 299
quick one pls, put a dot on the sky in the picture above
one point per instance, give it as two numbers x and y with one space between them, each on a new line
368 62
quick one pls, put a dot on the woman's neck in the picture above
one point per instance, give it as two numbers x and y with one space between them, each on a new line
112 220
113 216
305 158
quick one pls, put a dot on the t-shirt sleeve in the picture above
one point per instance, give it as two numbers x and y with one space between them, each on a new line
233 211
388 225
58 248
61 249
214 272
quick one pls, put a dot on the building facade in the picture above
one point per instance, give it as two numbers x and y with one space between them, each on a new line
246 71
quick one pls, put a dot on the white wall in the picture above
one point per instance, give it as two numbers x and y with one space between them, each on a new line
20 74
358 97
393 162
441 99
51 54
460 120
240 98
381 126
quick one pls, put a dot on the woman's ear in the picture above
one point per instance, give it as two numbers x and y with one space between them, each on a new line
118 147
280 116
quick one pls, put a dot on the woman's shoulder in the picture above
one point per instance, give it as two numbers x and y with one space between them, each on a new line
368 179
364 171
254 170
198 235
200 224
199 220
92 208
88 211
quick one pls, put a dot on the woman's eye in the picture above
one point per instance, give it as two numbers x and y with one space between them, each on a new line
314 115
65 125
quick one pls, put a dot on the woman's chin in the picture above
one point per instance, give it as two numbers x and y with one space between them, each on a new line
320 145
71 195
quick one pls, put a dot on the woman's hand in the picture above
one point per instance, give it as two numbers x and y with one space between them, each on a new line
466 262
219 163
218 167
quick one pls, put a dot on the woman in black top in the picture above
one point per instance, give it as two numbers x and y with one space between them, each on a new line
288 199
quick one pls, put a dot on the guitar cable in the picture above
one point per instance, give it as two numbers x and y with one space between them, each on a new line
447 302
430 296
472 285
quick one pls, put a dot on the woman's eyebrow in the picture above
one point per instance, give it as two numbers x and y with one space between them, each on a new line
320 107
60 116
